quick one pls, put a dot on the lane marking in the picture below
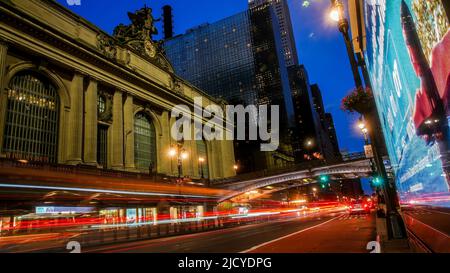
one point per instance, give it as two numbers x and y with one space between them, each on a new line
289 235
143 243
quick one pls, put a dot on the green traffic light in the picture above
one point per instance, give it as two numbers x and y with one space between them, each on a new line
324 178
377 181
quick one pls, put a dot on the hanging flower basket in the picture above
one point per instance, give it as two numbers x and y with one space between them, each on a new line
359 100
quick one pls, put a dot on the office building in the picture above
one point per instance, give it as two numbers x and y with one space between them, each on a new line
282 12
240 59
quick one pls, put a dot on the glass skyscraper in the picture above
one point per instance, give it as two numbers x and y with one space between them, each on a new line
218 58
284 25
239 59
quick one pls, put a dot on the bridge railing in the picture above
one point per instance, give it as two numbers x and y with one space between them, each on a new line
297 167
91 170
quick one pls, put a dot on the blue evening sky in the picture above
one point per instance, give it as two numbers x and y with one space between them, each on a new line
320 45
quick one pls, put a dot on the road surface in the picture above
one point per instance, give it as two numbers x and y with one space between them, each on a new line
334 233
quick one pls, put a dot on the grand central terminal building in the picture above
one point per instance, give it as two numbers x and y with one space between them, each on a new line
75 100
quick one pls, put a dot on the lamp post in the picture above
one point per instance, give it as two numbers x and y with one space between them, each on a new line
337 15
364 130
394 222
180 153
201 160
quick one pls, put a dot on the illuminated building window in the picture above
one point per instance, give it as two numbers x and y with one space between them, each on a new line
31 128
144 142
101 104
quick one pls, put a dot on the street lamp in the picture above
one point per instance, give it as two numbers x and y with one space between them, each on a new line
180 153
201 160
334 15
235 167
338 16
364 130
396 228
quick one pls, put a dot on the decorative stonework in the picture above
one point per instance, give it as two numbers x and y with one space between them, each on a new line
177 87
105 45
138 34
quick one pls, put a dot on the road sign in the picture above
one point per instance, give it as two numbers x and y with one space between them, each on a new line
368 151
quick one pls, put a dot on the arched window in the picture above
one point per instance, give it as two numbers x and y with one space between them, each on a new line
202 158
31 128
144 142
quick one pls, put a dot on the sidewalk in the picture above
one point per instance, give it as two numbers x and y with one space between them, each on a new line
390 246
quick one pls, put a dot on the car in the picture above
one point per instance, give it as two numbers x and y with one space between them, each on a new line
359 206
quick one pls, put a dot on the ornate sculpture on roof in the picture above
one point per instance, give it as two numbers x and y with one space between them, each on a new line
139 36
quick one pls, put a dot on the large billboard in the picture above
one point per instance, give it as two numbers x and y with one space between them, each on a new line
408 56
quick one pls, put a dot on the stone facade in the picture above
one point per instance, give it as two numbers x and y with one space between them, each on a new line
83 62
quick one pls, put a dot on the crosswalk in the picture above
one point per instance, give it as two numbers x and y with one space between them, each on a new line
353 217
420 212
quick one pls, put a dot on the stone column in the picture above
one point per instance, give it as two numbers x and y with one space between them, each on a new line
129 133
217 155
228 161
75 124
163 158
3 92
117 132
195 158
173 167
90 124
212 159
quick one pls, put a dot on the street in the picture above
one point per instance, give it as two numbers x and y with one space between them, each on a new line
252 127
332 233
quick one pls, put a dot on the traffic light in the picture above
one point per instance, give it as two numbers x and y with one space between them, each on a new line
324 179
377 181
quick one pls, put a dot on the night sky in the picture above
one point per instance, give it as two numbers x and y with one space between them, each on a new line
320 45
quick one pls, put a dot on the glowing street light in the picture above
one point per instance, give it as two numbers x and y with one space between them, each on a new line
361 125
334 15
180 153
172 152
201 160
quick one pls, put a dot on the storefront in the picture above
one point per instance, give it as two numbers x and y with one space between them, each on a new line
186 212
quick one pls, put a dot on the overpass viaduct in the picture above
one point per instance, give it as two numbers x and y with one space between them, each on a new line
301 175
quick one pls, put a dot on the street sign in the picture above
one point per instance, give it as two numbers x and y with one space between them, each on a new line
368 151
